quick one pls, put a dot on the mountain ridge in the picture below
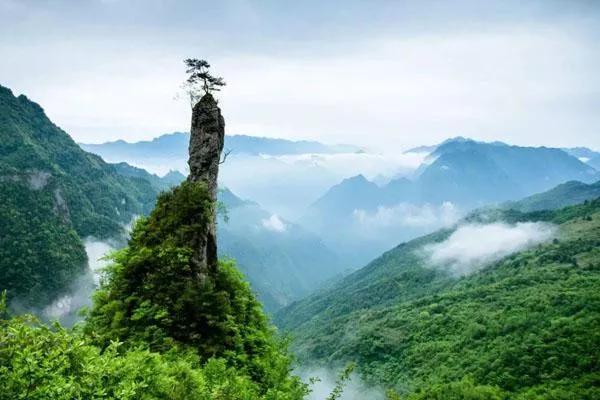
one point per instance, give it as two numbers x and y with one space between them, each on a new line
175 144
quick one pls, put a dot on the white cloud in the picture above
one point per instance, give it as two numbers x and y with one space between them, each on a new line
81 290
409 215
96 251
274 223
507 85
472 247
371 165
355 388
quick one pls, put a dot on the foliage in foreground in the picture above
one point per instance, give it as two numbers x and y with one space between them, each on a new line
154 296
41 362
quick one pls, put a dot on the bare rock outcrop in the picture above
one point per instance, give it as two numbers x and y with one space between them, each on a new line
206 144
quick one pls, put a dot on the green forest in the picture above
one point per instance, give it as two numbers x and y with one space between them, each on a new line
52 195
526 327
155 331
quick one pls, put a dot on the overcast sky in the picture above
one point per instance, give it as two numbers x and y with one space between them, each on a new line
387 74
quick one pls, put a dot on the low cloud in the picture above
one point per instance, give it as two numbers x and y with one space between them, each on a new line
65 307
355 389
371 165
274 223
409 215
96 251
472 247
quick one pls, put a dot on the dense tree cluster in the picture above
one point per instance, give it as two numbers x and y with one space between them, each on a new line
527 327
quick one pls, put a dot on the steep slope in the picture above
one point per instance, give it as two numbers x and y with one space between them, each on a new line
282 261
595 162
534 169
466 176
563 195
524 326
52 193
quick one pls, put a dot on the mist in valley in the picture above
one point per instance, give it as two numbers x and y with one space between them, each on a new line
472 247
66 308
326 379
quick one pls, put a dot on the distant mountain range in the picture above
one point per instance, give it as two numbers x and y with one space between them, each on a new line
174 145
584 154
458 175
161 183
285 176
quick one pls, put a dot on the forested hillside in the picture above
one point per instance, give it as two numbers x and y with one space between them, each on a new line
526 326
567 194
156 330
282 261
52 194
170 320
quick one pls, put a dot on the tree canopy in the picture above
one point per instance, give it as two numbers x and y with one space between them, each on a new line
200 81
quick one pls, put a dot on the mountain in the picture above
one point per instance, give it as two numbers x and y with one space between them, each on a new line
504 305
282 261
431 148
533 169
595 162
171 179
582 153
458 176
563 195
175 144
53 194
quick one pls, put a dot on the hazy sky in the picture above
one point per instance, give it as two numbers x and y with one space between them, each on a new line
382 73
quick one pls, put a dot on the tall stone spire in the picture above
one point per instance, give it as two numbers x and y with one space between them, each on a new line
206 144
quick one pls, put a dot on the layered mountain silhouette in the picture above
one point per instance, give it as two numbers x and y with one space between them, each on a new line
458 175
175 145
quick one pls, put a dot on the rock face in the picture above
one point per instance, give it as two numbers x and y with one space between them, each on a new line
206 144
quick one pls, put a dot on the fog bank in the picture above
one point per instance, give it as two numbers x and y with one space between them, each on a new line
472 247
355 388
